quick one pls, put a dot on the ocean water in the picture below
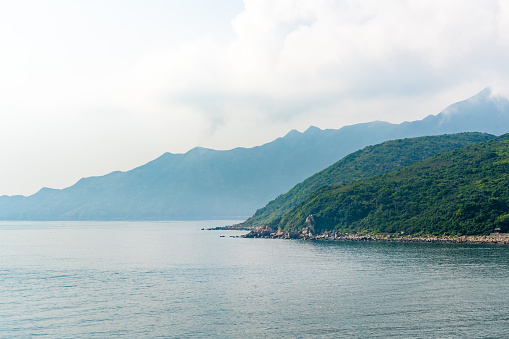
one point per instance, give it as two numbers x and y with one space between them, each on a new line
173 280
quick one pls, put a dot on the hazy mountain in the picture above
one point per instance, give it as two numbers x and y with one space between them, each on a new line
205 183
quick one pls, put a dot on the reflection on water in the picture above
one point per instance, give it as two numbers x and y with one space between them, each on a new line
170 279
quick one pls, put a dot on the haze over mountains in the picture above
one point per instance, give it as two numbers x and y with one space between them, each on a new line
209 184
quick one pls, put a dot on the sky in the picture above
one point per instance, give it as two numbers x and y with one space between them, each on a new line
88 87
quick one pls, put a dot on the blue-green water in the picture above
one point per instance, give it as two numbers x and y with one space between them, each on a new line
170 279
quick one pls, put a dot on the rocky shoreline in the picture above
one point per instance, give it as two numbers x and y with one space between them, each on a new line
234 227
306 234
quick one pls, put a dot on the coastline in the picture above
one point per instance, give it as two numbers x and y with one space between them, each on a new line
234 227
267 232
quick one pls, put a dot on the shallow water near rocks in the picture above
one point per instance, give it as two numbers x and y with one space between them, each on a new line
173 280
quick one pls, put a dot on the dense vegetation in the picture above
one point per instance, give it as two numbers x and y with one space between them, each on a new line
460 192
366 163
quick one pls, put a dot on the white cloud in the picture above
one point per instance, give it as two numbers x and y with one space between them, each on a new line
304 51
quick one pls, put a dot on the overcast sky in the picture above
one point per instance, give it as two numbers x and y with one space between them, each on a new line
89 87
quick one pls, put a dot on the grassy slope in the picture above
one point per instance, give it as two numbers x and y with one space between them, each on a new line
461 192
368 162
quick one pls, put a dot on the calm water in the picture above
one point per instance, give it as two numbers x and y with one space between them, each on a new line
140 279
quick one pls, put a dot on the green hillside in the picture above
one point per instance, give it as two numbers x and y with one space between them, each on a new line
366 163
460 192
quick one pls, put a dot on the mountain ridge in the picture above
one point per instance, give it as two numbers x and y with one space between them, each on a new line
211 184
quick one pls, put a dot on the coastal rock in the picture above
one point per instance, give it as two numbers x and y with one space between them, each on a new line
260 232
310 224
293 235
306 234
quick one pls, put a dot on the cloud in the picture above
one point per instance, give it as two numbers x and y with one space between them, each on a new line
289 57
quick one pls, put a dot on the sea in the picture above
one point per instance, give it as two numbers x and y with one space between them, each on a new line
175 280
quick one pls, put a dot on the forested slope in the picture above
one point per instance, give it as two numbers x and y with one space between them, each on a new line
368 162
460 192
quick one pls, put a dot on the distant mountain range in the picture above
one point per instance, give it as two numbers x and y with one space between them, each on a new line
210 184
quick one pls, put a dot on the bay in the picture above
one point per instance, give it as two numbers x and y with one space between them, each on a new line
174 280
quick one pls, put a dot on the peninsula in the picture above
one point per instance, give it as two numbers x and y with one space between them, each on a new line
460 195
